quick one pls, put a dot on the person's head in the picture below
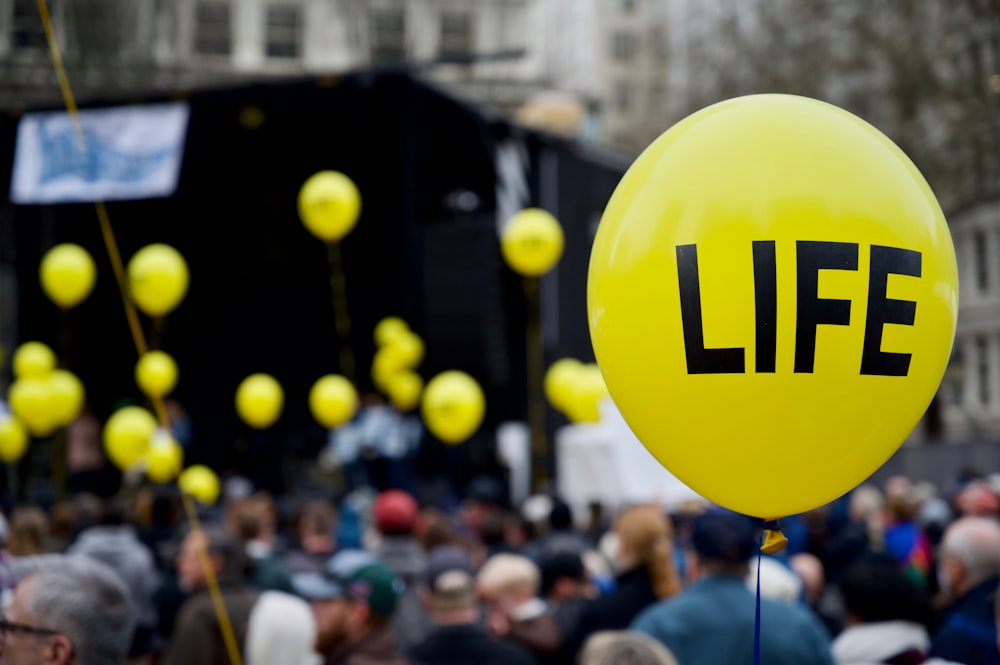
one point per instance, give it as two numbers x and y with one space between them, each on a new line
225 554
563 577
449 594
395 513
354 595
316 526
113 513
979 499
507 581
29 529
645 539
624 647
876 590
865 504
561 516
281 629
810 570
722 544
67 609
970 554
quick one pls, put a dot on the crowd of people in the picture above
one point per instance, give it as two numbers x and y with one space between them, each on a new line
899 574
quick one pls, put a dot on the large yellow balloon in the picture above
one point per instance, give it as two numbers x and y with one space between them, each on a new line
156 373
165 458
586 392
158 279
67 275
388 328
200 482
772 299
329 205
333 401
33 359
66 396
559 382
453 406
406 349
13 439
127 436
404 389
260 400
532 242
30 400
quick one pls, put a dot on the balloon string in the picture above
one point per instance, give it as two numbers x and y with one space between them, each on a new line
138 337
534 352
756 619
341 316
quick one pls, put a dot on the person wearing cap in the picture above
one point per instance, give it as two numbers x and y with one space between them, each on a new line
448 593
712 621
353 600
565 588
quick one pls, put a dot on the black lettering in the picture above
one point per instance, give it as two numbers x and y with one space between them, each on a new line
811 310
765 290
699 359
882 310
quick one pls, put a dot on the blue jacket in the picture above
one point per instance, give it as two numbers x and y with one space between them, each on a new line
713 622
968 633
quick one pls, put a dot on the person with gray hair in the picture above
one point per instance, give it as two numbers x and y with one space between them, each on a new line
67 610
624 647
969 572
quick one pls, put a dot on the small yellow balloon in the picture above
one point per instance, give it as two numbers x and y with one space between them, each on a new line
453 406
559 382
158 279
127 436
33 359
260 400
385 364
406 348
165 458
200 482
333 401
586 392
404 390
67 275
13 439
156 374
30 400
329 205
66 396
532 242
388 328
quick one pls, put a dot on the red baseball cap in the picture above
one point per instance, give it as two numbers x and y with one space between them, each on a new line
395 512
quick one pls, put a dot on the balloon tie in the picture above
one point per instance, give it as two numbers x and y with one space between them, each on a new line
773 540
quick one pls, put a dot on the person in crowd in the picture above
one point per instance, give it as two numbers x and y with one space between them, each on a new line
825 601
251 524
316 525
863 532
395 515
113 540
508 586
29 532
887 616
448 593
67 610
905 541
777 580
353 600
559 536
712 621
494 533
624 647
969 572
281 630
646 572
566 588
977 499
197 637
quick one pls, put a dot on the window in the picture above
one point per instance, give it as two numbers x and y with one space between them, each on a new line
28 32
980 261
622 97
388 35
284 31
983 369
456 34
212 29
623 46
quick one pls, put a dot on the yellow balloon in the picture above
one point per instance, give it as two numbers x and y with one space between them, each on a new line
30 400
586 393
772 299
559 381
404 389
260 400
127 436
67 274
329 205
406 348
33 359
385 365
158 279
333 401
532 242
13 439
66 396
200 482
388 328
453 406
165 458
156 374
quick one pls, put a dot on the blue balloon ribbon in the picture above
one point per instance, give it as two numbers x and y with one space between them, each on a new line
756 620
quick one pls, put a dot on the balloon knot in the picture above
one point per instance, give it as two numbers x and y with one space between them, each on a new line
774 539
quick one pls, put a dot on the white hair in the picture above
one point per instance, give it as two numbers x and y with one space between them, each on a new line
509 571
975 541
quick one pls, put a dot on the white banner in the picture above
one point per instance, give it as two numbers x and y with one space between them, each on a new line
131 152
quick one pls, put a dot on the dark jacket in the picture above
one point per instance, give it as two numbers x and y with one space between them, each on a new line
410 623
467 644
615 611
968 633
375 648
197 637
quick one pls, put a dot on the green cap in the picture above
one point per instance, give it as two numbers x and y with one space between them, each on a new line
377 586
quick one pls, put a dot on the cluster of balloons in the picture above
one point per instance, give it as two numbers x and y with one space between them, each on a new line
576 389
42 399
453 406
329 205
532 242
399 352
